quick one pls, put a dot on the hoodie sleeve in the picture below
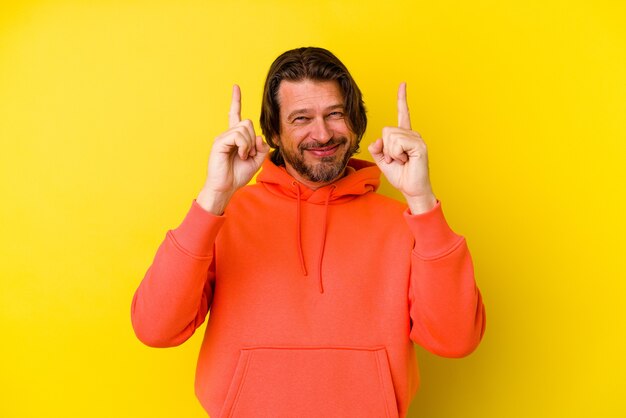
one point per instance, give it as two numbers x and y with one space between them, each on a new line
176 293
446 308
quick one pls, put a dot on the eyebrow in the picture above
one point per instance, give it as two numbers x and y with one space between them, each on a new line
307 110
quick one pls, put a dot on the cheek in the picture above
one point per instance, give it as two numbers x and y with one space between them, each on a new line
339 127
295 136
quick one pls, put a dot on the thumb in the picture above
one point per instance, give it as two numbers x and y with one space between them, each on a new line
376 149
262 149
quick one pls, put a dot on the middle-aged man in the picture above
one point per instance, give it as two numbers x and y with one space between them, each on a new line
316 284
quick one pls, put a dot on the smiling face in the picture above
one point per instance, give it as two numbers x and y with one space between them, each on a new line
315 139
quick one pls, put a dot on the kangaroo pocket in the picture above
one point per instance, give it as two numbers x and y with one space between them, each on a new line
311 382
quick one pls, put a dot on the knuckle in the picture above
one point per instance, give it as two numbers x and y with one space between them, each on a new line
240 138
242 132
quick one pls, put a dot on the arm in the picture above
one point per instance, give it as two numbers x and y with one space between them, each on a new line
445 306
176 293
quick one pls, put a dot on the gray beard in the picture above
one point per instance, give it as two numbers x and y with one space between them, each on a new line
326 170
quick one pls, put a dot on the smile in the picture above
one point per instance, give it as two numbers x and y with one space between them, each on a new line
324 151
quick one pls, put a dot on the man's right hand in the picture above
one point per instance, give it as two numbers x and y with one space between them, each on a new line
236 156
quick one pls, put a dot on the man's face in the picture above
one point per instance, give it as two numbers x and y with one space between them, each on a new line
315 140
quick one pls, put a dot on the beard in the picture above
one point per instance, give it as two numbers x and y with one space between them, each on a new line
326 169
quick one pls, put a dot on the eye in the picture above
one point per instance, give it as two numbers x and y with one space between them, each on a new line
336 115
300 119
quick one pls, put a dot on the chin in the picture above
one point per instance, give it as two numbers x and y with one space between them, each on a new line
326 171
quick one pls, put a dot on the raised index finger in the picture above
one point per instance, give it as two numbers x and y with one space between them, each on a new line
404 119
234 115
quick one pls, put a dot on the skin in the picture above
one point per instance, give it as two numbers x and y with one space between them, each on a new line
235 157
315 133
315 139
402 156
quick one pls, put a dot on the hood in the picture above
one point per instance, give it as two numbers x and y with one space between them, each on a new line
360 177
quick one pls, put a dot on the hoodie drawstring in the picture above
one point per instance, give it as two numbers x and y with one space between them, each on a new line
323 243
299 230
324 232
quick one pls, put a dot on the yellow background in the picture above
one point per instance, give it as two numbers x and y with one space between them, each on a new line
107 113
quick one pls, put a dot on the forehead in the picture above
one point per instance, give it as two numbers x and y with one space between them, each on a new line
308 94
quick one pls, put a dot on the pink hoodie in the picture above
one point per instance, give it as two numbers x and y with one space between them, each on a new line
315 297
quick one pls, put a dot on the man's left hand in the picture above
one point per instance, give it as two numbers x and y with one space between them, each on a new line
402 156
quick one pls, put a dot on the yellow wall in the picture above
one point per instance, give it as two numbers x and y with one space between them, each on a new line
107 112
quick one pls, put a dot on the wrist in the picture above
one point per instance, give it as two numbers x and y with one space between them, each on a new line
212 201
421 204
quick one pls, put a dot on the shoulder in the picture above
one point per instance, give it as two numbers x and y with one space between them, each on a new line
376 211
250 191
383 203
250 198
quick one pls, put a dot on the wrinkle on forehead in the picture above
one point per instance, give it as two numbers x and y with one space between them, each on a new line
308 95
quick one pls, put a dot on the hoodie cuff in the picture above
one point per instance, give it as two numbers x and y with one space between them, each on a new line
433 236
196 234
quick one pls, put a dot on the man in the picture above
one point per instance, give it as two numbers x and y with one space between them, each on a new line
316 284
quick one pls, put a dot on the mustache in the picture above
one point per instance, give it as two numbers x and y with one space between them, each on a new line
317 145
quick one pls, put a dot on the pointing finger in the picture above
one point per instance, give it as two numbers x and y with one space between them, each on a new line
404 119
234 115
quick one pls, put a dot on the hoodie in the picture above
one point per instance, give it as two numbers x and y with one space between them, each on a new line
315 297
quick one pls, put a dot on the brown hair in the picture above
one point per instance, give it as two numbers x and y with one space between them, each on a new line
316 64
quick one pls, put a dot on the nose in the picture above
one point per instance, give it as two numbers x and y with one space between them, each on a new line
320 131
